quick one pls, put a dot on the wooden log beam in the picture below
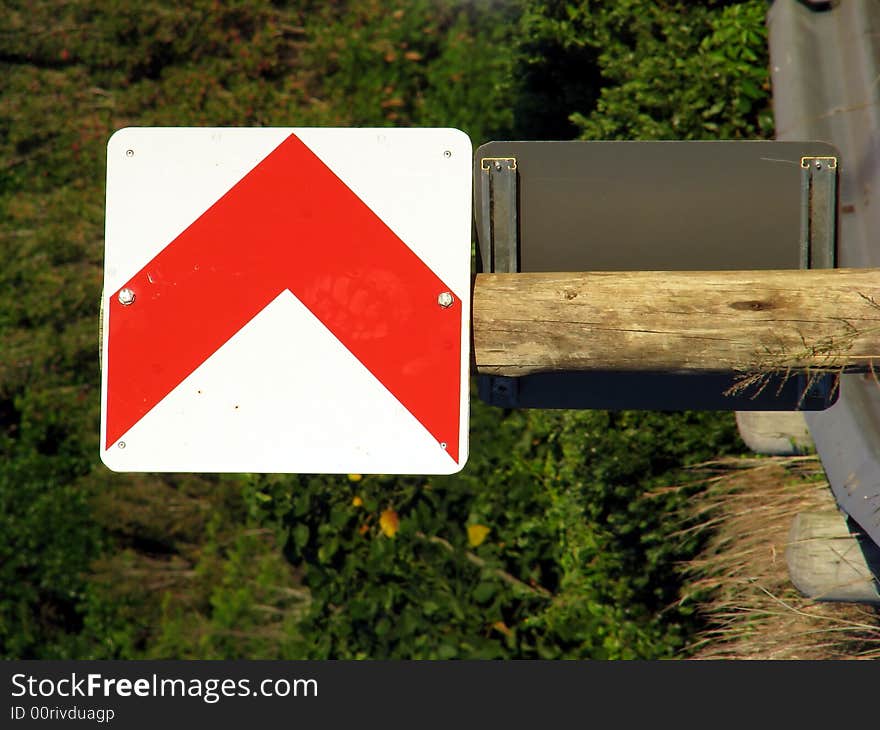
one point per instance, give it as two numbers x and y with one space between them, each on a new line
677 321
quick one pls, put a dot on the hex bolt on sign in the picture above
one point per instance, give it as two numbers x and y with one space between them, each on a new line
445 300
126 297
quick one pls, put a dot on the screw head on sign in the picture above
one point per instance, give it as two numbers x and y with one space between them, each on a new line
818 165
498 165
126 297
447 154
445 299
129 153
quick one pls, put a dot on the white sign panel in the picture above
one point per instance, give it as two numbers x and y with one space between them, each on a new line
287 300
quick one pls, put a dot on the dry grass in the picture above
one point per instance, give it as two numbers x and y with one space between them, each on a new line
827 355
740 582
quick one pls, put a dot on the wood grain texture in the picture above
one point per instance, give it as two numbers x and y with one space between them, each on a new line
674 321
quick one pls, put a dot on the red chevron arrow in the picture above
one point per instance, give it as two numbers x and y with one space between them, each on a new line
290 223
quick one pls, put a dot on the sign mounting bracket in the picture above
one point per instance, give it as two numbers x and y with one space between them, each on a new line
818 212
499 251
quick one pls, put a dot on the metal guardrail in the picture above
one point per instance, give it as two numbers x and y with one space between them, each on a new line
825 70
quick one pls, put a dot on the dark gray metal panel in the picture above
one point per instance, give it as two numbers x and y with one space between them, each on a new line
616 206
654 392
825 68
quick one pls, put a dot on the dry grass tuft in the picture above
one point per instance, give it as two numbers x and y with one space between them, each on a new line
815 359
739 582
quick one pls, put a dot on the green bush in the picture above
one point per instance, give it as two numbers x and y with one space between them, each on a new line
578 560
673 70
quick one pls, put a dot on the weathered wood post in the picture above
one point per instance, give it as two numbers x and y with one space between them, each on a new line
749 322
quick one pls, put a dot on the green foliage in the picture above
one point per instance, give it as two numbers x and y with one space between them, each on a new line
413 63
47 538
578 561
676 70
189 575
254 605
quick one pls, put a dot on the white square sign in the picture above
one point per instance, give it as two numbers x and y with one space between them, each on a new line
286 300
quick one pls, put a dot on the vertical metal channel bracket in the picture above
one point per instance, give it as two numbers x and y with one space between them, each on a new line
818 241
499 239
818 212
499 251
